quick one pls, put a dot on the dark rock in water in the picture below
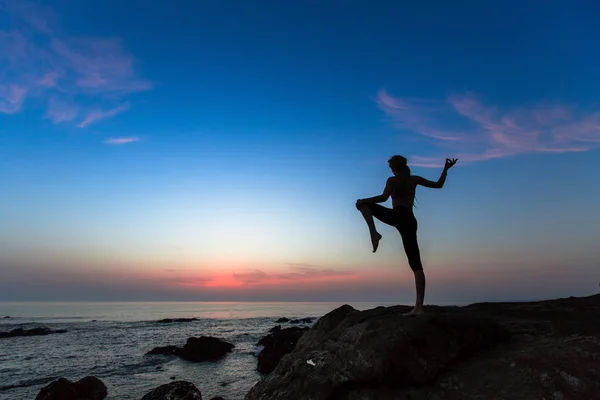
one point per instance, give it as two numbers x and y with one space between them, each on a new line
178 390
30 332
171 320
307 320
283 319
165 350
217 398
7 316
204 348
173 378
88 388
277 344
275 328
514 351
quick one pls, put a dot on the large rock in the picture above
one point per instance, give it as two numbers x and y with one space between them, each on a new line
88 388
354 352
277 344
204 348
448 354
30 332
178 390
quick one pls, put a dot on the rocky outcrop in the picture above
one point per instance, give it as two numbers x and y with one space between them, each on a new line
30 332
277 344
197 349
306 320
484 351
204 348
178 390
88 388
172 320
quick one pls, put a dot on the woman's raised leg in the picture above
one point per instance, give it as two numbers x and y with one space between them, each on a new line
366 212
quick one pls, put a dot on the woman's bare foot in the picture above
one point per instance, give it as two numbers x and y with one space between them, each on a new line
375 241
415 312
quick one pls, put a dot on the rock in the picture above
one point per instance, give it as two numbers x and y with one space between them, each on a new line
275 328
7 316
277 344
88 388
307 320
217 398
178 390
172 320
165 350
282 319
518 351
204 348
355 350
30 332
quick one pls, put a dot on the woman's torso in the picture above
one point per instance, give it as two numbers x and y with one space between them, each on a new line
403 191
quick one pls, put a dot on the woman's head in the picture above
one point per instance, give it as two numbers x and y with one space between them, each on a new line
398 164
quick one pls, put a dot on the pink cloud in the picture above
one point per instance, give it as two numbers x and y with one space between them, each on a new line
100 65
122 140
49 79
60 112
11 98
96 115
80 73
490 132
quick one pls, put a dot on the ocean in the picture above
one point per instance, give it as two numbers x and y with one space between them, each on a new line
110 340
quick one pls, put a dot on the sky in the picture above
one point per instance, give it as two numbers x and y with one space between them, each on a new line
213 151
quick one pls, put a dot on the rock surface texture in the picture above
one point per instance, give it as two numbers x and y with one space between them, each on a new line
178 390
538 350
277 344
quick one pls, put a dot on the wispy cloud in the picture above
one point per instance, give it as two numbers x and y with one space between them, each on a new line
96 115
87 78
122 140
462 126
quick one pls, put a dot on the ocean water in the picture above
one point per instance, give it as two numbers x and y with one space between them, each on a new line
110 340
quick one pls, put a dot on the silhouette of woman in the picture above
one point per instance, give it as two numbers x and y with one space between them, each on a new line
402 187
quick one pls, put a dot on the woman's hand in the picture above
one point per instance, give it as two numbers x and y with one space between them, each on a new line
450 163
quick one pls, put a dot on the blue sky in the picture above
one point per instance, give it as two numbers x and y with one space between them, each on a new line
214 150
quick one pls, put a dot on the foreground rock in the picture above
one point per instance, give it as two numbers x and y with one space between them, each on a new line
277 344
178 390
29 332
197 349
515 351
88 388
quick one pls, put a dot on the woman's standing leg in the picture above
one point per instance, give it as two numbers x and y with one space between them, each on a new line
411 247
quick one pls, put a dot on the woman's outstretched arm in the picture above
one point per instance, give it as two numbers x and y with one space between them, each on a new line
440 182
